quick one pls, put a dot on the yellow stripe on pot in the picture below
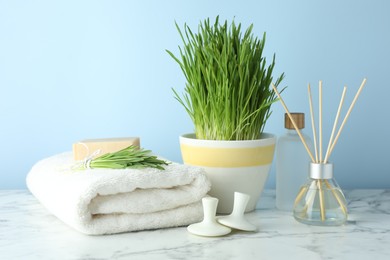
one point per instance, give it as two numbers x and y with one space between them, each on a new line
227 157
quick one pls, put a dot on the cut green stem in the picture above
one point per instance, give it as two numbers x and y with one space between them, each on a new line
129 157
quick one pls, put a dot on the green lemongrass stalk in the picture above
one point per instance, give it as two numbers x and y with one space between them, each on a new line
227 93
129 157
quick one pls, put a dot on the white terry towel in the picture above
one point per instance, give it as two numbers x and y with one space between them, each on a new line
108 201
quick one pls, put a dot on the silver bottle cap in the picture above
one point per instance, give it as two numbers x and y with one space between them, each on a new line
321 171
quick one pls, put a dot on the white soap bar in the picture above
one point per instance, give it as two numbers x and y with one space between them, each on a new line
85 148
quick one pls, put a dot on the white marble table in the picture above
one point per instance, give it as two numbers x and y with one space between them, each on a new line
28 231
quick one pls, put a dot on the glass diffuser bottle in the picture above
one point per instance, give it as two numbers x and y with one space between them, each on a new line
321 201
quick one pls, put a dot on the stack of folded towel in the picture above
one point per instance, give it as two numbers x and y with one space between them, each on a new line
108 201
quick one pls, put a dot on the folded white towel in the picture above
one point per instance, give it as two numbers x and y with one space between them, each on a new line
107 201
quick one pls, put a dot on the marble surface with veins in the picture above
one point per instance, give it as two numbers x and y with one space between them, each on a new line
29 231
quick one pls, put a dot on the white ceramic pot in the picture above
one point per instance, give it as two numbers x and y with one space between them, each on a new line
231 166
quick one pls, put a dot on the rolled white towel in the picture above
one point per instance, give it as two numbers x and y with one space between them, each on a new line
108 201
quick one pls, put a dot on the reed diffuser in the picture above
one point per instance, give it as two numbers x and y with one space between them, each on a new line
320 200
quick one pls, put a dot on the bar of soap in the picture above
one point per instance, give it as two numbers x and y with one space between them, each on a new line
85 148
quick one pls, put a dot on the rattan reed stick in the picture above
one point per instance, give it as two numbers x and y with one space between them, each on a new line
310 196
313 126
301 192
335 124
294 124
337 196
347 115
322 204
320 118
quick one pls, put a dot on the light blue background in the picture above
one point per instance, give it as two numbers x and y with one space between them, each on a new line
71 70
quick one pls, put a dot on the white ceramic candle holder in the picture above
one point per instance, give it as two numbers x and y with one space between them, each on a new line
237 219
209 227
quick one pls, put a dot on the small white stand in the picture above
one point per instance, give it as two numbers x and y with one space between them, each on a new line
237 219
209 226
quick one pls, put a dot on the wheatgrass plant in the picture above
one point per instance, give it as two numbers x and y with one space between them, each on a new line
227 92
